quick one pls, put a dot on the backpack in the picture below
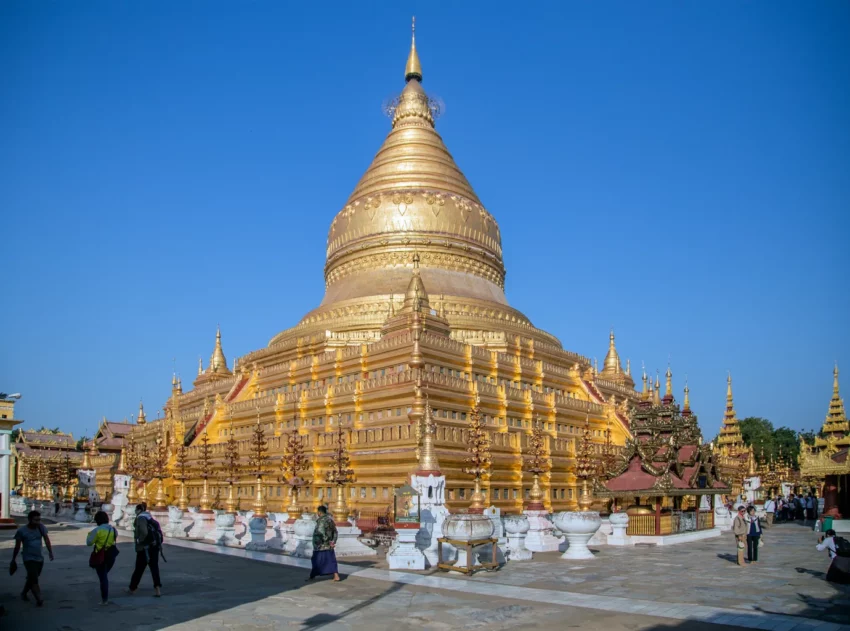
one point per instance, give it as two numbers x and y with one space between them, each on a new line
842 546
154 538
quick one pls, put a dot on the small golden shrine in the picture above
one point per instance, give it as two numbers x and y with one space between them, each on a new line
827 459
735 459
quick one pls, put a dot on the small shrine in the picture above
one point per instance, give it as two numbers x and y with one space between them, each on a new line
827 459
665 472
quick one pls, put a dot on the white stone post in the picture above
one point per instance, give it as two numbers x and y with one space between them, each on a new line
5 459
258 526
301 543
517 528
403 553
540 537
224 533
619 525
432 514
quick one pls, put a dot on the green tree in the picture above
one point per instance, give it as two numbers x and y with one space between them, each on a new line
787 440
808 436
758 432
82 442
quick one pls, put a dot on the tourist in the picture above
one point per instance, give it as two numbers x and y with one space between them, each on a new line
769 511
801 507
147 550
324 541
29 537
810 507
739 529
103 539
754 533
839 566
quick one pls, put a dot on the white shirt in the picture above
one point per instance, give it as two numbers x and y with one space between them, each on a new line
770 506
829 545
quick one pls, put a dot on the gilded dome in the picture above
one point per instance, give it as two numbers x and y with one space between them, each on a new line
413 209
413 197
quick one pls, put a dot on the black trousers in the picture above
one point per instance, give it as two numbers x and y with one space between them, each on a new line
753 548
146 558
33 569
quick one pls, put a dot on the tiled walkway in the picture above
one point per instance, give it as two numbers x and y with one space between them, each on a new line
693 582
686 588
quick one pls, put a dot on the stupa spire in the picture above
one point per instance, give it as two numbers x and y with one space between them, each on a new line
218 362
413 69
200 366
611 366
836 419
668 389
686 408
141 419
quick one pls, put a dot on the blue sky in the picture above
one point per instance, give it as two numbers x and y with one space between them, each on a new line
676 170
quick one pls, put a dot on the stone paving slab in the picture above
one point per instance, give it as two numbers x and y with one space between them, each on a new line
230 590
204 591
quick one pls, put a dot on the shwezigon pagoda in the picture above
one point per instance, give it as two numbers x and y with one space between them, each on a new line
414 313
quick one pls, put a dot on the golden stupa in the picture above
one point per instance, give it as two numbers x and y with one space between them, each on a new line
414 308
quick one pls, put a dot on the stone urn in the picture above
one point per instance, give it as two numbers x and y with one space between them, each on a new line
516 527
619 523
468 527
301 543
257 526
175 523
578 527
225 520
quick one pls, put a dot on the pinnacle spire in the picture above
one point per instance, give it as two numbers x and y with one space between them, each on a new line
200 366
142 419
218 362
413 69
668 390
687 404
836 419
611 365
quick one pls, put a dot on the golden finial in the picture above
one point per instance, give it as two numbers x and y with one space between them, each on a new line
413 70
428 462
668 392
729 389
835 379
200 366
142 419
392 305
179 386
174 381
595 367
687 406
629 367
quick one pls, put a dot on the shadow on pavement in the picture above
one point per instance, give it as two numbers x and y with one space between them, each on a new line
194 584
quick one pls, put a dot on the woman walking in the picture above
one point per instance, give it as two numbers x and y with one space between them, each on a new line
753 535
324 541
103 539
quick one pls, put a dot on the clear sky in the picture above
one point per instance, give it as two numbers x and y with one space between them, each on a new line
677 170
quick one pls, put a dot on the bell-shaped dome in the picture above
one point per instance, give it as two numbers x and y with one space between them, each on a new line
414 197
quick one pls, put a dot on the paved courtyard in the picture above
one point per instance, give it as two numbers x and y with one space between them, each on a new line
692 587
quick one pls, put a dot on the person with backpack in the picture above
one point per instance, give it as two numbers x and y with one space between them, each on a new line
148 539
29 538
103 540
838 549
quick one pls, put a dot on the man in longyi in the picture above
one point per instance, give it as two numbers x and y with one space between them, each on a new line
324 541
